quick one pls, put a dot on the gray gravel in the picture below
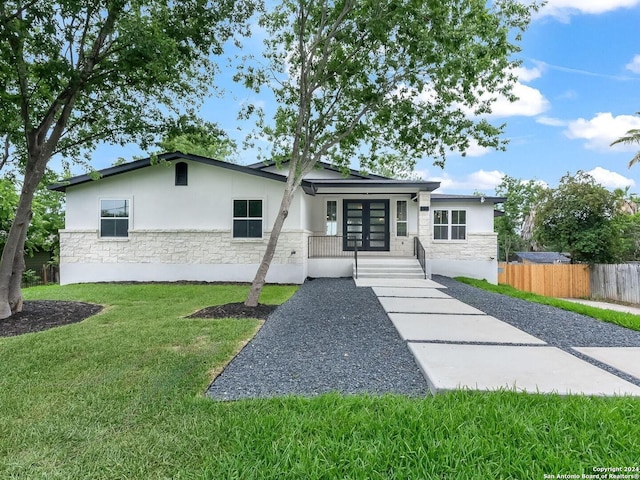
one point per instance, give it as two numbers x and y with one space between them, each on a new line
329 337
559 328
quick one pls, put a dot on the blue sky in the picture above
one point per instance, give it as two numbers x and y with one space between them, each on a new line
579 89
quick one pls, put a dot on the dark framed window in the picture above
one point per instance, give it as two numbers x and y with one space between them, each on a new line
247 219
182 173
401 218
114 218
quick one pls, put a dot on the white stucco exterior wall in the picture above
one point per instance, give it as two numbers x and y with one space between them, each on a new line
474 257
179 232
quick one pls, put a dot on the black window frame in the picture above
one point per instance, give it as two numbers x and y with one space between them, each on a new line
244 223
117 223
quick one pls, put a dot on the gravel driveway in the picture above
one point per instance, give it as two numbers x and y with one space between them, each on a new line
330 336
333 336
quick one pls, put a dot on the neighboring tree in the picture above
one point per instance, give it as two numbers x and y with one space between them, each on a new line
198 137
522 197
628 221
360 79
580 217
631 137
48 215
75 73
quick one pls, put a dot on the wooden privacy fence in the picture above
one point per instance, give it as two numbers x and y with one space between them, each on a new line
616 282
567 281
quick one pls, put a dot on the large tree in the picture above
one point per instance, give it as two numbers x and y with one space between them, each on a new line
580 217
521 199
363 79
631 137
74 73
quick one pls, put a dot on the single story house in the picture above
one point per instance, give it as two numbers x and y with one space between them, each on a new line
187 217
537 258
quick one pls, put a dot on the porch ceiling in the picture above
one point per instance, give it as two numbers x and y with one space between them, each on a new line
368 186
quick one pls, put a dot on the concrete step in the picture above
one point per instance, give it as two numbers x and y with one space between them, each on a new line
389 275
388 268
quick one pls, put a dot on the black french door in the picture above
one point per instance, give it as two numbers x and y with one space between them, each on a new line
366 224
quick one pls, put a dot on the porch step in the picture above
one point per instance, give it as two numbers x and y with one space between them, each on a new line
388 268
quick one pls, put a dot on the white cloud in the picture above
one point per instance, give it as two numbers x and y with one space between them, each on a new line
563 9
603 129
530 103
482 181
610 179
634 65
552 122
527 74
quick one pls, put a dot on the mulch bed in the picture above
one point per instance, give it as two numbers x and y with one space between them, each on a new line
235 310
44 314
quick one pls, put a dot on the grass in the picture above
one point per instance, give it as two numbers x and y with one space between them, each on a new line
120 395
623 319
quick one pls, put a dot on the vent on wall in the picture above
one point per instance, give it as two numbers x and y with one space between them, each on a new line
181 173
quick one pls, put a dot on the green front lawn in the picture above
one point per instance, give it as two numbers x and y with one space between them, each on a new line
120 395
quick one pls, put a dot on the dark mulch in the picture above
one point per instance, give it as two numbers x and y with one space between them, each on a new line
44 314
235 310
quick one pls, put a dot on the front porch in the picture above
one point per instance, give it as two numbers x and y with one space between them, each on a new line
337 255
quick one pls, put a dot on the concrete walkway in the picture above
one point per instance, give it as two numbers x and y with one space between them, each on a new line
606 306
460 347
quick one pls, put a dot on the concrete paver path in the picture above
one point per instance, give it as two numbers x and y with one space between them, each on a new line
459 346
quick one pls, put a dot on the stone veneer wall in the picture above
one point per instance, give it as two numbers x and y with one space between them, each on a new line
177 247
479 246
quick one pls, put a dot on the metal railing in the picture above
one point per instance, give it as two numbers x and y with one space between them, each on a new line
355 257
327 246
420 254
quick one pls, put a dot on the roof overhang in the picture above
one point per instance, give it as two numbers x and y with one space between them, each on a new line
166 157
371 186
441 197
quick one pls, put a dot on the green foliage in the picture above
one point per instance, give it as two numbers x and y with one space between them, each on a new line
48 215
369 79
197 137
631 137
120 396
627 320
119 69
579 217
521 198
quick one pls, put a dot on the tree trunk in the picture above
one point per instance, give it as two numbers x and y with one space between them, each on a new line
261 274
12 260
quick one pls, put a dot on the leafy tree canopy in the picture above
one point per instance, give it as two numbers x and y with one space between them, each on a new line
373 80
521 198
75 73
198 137
580 217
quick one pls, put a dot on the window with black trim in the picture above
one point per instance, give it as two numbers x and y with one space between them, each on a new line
449 224
114 218
247 219
182 171
401 218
